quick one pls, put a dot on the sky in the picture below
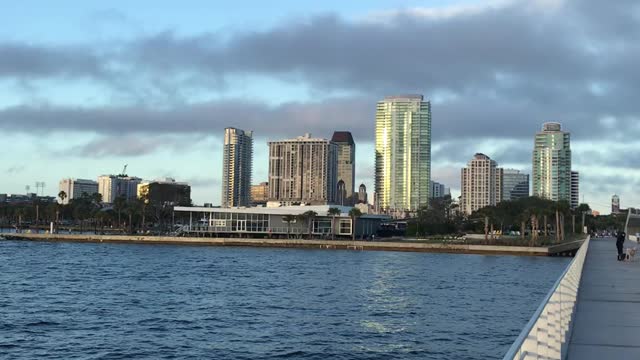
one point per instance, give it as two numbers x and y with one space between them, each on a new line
89 86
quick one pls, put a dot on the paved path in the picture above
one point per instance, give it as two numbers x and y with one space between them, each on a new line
607 323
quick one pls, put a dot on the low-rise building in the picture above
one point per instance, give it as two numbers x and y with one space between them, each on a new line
114 186
165 191
76 188
275 222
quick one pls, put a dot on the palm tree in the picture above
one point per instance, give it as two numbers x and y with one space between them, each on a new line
119 204
308 217
354 214
288 219
62 195
333 212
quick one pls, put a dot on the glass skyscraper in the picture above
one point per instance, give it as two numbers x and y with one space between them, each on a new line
403 153
552 163
515 184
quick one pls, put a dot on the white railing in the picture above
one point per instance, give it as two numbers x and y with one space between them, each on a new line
547 334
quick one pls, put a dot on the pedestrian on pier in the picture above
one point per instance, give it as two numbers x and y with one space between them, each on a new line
620 244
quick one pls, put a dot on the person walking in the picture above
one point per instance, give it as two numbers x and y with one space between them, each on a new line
620 244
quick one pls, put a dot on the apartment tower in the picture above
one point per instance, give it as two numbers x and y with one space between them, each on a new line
346 167
481 184
575 189
303 171
552 163
237 164
403 153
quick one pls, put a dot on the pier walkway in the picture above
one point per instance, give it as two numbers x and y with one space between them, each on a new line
607 318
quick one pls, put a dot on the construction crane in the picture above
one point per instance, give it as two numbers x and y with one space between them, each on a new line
124 171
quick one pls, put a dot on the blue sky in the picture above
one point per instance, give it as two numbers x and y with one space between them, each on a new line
88 86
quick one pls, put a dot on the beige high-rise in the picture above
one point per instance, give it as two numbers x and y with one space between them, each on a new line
481 184
303 170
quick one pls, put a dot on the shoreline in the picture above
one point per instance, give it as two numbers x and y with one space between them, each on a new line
359 245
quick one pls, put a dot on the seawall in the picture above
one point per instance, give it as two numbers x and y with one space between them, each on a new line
308 244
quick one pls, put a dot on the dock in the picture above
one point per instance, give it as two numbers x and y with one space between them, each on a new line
607 319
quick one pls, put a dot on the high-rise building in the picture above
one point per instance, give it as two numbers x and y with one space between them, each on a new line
575 189
260 194
362 194
403 153
75 188
237 158
615 204
114 186
165 192
481 184
438 190
552 163
303 171
346 167
515 184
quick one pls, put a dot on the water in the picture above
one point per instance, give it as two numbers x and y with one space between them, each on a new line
109 301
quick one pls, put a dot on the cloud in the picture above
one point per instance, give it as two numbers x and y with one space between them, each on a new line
15 169
27 61
289 119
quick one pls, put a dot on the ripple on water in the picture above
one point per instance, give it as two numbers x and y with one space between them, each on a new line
105 301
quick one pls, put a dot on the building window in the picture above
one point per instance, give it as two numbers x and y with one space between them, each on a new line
321 226
344 227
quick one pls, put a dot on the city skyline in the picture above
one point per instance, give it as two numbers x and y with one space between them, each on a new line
122 85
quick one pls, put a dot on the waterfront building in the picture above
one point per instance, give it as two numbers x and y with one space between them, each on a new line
260 194
481 184
362 194
346 167
615 204
114 186
575 189
237 158
403 153
76 188
165 192
515 184
552 163
303 171
438 190
272 222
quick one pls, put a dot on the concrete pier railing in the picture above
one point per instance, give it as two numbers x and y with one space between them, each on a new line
547 334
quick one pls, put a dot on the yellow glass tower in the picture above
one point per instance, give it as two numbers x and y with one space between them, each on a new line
403 153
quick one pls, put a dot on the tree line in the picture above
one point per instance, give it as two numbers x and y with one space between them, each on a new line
535 220
88 212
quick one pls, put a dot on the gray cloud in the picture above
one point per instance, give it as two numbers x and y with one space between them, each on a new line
502 71
15 169
26 61
289 119
129 146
